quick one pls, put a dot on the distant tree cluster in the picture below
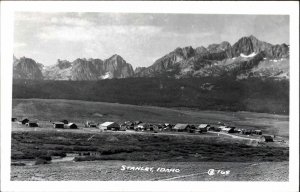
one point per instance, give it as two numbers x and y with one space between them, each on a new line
225 93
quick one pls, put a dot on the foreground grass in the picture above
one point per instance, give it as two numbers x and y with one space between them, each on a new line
111 171
141 147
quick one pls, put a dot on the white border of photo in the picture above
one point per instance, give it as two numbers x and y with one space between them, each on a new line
264 8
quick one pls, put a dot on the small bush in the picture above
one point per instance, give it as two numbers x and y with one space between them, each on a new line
18 164
86 158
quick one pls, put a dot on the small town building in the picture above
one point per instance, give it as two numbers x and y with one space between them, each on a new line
128 124
89 153
58 125
258 132
266 138
24 121
32 124
203 127
109 126
224 128
137 122
232 130
141 127
181 127
246 131
72 126
123 126
227 129
237 130
90 124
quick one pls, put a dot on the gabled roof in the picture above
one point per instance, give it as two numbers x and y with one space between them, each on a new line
69 124
142 124
180 126
203 125
105 124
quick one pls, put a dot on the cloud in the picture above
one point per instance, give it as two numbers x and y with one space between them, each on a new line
96 33
65 34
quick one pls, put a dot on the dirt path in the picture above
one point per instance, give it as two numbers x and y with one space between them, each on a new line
234 136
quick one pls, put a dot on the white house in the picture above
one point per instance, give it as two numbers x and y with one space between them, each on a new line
109 126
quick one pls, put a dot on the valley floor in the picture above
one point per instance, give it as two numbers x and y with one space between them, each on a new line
244 158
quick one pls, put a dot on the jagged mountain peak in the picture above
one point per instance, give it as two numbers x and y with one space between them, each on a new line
214 60
201 50
27 68
115 56
62 64
220 59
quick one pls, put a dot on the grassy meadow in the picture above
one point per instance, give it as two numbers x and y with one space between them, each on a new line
141 147
81 111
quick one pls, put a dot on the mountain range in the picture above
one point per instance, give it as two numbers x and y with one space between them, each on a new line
248 57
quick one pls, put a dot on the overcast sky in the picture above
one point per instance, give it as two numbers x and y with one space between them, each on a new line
139 38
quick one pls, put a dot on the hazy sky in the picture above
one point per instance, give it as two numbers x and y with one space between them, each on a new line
139 38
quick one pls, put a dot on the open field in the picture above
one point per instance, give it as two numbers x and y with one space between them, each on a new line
142 147
189 171
193 155
80 111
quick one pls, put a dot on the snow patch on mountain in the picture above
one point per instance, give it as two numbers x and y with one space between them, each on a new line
246 56
107 75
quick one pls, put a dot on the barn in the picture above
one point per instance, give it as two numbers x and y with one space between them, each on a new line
32 124
203 127
58 125
24 121
109 126
181 127
266 138
72 126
